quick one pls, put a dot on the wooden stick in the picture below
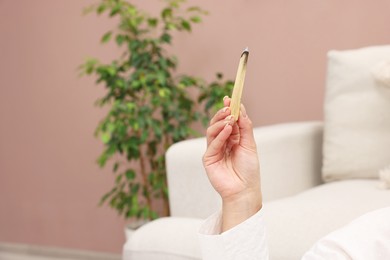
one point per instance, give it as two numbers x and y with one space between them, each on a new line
235 102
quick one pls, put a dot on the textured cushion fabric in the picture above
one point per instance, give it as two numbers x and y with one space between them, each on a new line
382 74
357 115
294 224
168 238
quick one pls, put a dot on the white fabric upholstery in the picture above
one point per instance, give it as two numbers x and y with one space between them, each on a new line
190 192
290 158
381 74
357 115
294 224
165 239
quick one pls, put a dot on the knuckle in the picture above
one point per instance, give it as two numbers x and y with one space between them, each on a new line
208 131
204 159
211 130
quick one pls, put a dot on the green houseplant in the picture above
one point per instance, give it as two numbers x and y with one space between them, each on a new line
150 106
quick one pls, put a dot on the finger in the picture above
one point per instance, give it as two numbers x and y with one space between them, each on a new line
226 101
234 138
214 129
247 138
221 114
236 130
215 151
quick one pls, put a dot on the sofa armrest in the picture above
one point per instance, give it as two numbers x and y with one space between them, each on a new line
290 158
190 192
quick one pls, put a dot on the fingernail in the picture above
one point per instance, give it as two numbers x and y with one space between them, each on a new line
229 120
243 111
225 97
225 109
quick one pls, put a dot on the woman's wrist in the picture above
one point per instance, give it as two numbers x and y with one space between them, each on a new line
237 209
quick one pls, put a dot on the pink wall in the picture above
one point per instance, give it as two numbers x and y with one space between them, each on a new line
49 182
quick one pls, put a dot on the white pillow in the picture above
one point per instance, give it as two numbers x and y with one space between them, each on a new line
357 114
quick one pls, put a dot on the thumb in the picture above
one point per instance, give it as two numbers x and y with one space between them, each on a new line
247 138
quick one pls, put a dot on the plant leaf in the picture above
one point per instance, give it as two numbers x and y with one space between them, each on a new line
186 25
130 175
106 37
120 39
196 19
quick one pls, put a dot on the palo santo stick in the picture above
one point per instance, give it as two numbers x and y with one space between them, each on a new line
235 102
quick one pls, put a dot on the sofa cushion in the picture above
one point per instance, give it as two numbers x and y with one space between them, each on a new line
381 74
294 224
357 114
169 238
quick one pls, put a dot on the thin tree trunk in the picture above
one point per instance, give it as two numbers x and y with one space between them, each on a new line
145 180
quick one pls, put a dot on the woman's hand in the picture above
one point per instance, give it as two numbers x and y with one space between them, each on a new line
232 165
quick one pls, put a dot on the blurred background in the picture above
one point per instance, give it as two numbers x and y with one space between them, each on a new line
50 184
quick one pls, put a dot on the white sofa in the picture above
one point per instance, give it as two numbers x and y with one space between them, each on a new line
295 157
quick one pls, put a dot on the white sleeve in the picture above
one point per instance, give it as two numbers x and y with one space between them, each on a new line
246 241
367 237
